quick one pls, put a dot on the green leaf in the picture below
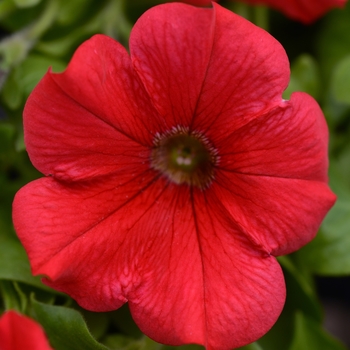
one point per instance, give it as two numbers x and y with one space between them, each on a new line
305 77
26 3
340 81
300 297
300 287
7 133
123 320
11 92
6 7
34 68
146 343
333 40
14 264
310 335
72 11
26 76
13 297
19 143
339 173
65 44
98 322
65 327
253 346
328 253
121 342
13 50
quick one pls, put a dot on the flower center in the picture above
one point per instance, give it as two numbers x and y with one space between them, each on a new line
184 157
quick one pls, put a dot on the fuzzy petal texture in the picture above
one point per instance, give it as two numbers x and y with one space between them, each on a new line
147 261
274 161
216 283
305 11
195 265
21 332
289 141
102 126
211 80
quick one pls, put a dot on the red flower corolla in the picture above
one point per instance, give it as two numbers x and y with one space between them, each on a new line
174 176
21 332
305 11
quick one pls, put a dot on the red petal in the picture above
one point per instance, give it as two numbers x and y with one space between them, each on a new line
279 214
272 175
170 48
208 68
79 232
211 285
305 11
246 75
172 254
21 332
195 265
290 141
78 124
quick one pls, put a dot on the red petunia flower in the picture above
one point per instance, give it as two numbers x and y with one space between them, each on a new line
175 176
21 332
305 11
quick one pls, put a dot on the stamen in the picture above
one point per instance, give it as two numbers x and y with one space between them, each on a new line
185 157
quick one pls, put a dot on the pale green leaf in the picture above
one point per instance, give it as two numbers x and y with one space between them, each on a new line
309 335
340 82
26 3
14 264
305 77
65 327
328 253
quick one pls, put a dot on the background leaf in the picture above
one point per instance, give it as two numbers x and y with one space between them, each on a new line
340 83
310 335
305 76
14 264
65 327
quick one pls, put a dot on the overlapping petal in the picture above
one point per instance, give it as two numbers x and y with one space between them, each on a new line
218 291
101 126
289 141
107 228
20 332
305 11
270 209
170 52
189 262
273 172
245 76
91 223
196 77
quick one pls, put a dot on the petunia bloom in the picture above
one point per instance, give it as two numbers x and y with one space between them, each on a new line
305 11
21 332
174 176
